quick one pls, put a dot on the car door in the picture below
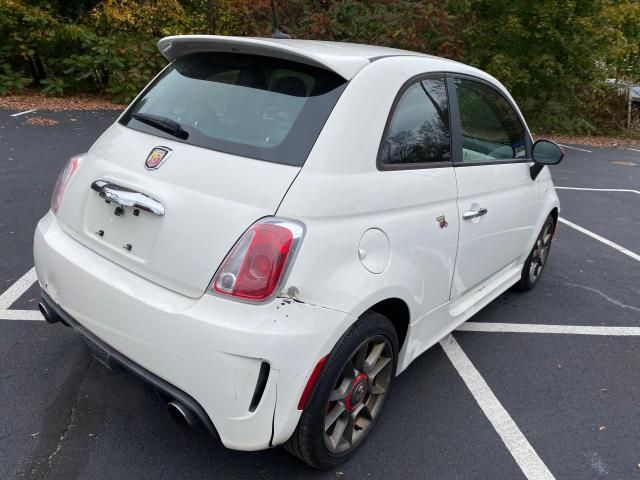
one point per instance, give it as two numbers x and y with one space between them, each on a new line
498 201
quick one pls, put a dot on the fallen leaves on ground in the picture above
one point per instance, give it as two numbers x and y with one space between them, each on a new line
41 121
611 142
57 104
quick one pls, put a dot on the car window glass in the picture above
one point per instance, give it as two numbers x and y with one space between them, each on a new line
258 107
419 128
491 129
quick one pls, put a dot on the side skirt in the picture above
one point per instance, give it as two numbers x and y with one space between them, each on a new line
439 322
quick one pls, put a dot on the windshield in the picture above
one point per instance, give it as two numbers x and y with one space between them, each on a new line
258 107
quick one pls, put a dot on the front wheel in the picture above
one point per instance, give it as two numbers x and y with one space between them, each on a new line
537 259
349 396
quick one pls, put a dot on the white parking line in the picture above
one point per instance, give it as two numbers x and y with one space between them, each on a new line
517 444
620 248
28 315
23 113
633 149
14 292
575 148
624 190
553 329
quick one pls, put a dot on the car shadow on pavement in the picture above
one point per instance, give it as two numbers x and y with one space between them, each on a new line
120 428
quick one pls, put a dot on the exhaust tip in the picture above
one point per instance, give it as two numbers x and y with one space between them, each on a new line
46 314
181 414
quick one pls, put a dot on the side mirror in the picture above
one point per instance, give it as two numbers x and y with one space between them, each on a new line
546 152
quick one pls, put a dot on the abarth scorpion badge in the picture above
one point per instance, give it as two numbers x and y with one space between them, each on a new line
156 157
442 221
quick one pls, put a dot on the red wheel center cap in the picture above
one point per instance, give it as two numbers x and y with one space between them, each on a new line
357 392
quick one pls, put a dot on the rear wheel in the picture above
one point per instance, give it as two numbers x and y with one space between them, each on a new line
537 259
350 394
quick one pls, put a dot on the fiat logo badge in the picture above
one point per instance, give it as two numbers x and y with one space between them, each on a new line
157 157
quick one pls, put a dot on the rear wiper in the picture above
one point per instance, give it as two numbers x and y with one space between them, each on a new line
162 123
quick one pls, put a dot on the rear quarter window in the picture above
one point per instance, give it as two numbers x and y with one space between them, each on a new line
418 133
258 107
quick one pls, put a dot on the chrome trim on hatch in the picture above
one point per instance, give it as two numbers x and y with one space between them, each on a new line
126 197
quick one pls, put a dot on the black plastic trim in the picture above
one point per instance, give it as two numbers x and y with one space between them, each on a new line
497 162
117 361
535 170
455 123
261 384
386 167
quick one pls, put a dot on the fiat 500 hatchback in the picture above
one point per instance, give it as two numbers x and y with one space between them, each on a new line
274 229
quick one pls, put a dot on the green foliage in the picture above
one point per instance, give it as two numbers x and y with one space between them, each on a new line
545 52
53 86
11 82
423 26
141 63
157 18
112 51
27 33
118 65
622 22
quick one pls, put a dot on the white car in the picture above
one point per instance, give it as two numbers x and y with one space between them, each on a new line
274 229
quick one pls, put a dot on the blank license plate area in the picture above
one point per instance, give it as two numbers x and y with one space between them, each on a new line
130 232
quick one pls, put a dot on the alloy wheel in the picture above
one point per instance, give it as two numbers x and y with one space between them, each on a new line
540 252
358 395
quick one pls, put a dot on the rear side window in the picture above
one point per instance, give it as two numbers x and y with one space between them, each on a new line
257 107
418 131
491 129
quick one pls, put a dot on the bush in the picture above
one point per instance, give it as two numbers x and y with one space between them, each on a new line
118 65
12 82
112 51
150 19
28 34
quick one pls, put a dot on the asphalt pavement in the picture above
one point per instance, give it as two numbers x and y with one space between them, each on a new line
574 397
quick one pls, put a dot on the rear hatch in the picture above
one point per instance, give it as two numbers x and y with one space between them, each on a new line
211 146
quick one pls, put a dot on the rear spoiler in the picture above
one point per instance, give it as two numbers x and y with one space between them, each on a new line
309 52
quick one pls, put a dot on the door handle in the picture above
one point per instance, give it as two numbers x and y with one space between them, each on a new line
469 214
126 197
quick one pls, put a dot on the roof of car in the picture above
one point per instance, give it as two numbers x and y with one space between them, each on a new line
346 59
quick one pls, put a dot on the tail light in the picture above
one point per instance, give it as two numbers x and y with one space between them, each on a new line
63 181
259 262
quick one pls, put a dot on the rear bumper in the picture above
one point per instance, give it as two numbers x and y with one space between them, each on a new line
114 360
211 349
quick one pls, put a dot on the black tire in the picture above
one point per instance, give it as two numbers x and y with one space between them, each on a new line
538 257
310 440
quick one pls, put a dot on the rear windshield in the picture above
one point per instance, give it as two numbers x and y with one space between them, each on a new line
258 107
